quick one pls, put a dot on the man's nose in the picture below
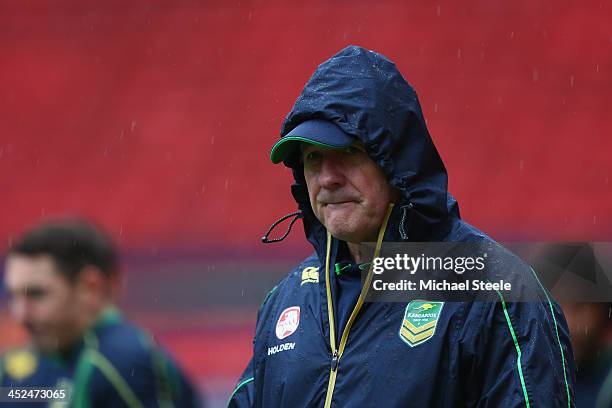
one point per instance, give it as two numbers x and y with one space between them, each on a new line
331 174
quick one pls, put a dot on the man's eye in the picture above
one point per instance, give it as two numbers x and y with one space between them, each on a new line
312 156
351 151
35 293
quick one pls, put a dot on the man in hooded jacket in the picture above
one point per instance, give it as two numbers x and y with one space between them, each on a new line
357 132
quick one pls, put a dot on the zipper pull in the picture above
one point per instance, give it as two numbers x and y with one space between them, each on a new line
334 362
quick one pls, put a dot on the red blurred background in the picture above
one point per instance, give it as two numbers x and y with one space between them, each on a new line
155 119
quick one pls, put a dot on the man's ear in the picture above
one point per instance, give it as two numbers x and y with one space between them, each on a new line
91 282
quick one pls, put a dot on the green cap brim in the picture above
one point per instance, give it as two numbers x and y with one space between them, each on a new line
287 146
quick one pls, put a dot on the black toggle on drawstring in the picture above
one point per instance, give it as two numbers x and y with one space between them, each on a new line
296 214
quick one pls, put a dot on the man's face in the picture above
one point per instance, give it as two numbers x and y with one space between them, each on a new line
348 192
43 300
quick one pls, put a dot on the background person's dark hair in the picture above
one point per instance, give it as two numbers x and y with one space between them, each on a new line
72 243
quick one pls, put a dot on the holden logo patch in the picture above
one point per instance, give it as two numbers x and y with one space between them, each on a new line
288 322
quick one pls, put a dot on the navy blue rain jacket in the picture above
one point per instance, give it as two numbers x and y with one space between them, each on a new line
481 354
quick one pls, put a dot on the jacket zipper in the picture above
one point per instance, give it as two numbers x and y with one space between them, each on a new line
337 352
332 379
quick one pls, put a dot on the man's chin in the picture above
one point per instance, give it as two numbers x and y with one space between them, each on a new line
344 233
340 216
46 344
344 229
45 348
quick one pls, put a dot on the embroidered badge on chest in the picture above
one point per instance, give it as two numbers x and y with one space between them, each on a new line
288 322
420 320
310 275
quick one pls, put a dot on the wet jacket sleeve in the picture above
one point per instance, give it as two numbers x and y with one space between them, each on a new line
244 393
523 358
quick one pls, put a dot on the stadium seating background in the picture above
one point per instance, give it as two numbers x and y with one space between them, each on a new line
155 119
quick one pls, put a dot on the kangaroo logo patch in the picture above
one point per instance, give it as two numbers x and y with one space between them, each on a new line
420 320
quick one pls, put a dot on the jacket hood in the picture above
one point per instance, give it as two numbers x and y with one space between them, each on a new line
363 93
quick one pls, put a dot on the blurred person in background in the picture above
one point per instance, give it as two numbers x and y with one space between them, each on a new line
578 275
591 332
366 170
60 277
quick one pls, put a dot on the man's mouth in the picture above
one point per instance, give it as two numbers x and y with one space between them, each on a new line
31 329
338 203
